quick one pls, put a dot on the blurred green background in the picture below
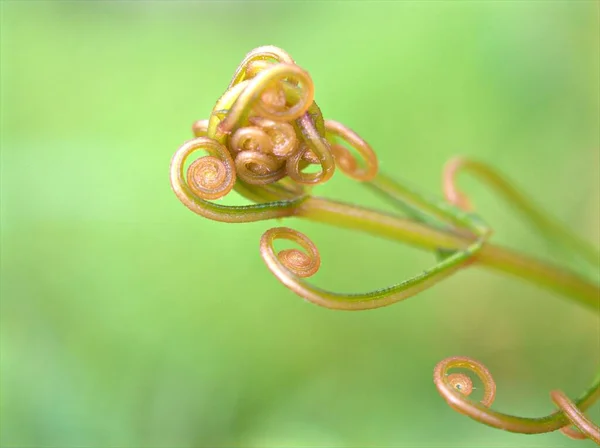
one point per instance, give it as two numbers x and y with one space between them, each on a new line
129 321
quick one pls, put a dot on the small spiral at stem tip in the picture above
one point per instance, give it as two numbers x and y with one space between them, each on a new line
455 387
349 165
250 138
299 263
461 382
282 136
257 168
211 176
206 177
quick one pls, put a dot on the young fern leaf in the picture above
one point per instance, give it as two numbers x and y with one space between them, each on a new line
263 134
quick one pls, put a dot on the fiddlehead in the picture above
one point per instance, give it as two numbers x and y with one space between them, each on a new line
457 398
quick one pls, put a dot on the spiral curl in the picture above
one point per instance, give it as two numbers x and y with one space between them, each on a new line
268 131
282 136
453 387
212 176
344 159
262 135
456 387
257 168
285 266
461 382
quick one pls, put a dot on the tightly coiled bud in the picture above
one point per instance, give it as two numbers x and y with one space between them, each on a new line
271 128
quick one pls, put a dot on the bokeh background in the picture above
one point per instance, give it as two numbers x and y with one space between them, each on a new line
129 321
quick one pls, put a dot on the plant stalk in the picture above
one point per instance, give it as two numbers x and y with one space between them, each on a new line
422 236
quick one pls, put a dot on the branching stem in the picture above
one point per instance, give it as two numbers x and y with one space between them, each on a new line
266 136
555 278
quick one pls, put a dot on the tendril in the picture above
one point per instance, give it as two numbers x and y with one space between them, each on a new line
461 382
282 136
555 232
250 139
450 385
333 300
456 397
314 142
270 133
257 168
344 159
196 200
303 264
268 105
212 176
248 69
261 136
308 156
586 429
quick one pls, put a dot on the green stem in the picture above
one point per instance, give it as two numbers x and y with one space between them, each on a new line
422 236
555 232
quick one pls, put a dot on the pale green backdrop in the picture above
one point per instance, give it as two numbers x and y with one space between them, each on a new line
128 321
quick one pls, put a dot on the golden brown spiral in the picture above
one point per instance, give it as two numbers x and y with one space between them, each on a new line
282 136
257 168
461 382
250 138
300 263
272 130
300 160
273 98
212 176
454 386
363 171
263 94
